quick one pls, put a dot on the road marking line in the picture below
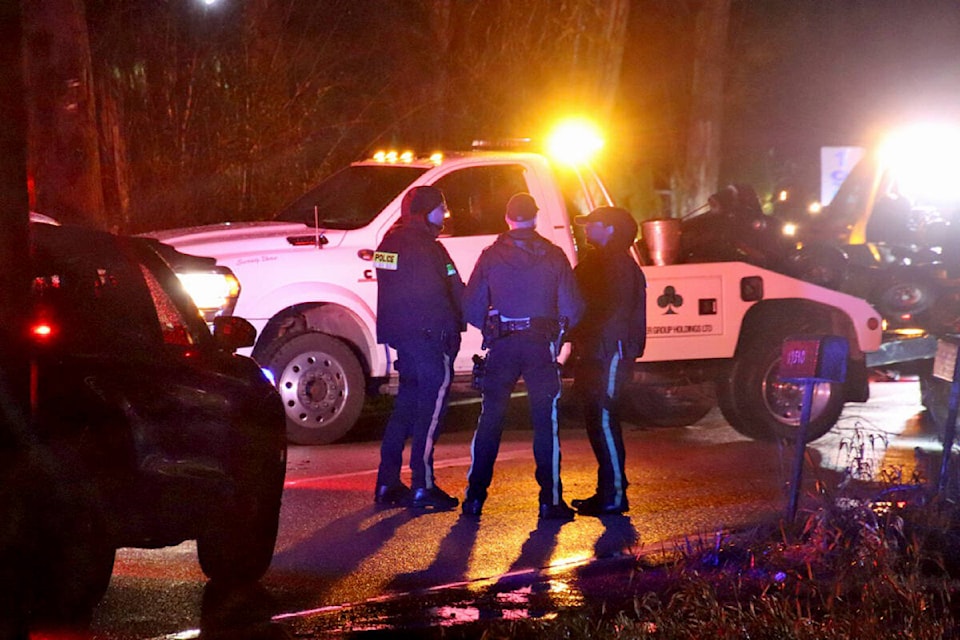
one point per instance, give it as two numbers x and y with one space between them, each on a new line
452 462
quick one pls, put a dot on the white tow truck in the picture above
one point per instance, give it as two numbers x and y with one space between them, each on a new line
309 286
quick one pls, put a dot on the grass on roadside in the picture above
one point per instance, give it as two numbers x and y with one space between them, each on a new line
878 557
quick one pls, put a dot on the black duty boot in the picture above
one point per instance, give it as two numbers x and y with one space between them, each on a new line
472 507
434 499
559 511
391 494
597 506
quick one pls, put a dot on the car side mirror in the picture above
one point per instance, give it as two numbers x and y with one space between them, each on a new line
232 332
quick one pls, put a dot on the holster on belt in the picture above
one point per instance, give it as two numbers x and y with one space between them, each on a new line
545 327
491 328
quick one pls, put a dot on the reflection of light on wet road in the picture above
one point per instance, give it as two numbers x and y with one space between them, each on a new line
528 593
882 432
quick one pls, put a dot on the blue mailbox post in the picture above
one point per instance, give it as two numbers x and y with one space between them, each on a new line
807 360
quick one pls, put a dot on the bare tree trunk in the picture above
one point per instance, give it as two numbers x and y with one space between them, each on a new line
15 437
63 149
702 166
599 34
14 251
610 55
441 24
115 162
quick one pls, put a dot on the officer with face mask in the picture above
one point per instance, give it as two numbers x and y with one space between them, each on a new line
521 294
419 315
611 335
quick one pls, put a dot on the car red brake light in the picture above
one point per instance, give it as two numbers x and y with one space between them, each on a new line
42 331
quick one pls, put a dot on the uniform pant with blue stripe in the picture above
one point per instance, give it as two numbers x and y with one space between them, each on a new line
533 357
425 365
599 379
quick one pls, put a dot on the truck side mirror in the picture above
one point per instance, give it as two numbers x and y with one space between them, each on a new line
232 332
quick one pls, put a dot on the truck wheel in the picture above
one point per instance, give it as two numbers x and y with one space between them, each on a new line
766 406
665 405
321 384
727 402
237 544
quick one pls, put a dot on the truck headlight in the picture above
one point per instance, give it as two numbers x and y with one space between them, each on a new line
215 292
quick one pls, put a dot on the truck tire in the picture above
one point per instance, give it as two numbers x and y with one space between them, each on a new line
727 402
321 384
767 408
664 405
236 545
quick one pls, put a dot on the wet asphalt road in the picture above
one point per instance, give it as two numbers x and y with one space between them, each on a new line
342 563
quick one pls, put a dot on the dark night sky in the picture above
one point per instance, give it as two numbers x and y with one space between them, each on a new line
848 68
801 74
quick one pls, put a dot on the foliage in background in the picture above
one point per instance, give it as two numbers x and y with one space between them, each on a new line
230 111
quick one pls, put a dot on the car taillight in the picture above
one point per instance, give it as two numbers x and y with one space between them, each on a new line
42 331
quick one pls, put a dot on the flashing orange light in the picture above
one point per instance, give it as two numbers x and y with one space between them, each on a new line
575 141
394 157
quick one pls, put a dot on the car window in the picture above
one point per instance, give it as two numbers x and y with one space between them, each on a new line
98 297
477 198
173 323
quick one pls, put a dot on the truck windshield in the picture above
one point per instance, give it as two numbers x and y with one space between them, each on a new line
352 197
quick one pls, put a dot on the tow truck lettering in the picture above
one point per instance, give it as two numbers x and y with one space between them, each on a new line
683 329
256 260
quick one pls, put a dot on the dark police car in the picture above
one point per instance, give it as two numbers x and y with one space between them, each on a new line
156 431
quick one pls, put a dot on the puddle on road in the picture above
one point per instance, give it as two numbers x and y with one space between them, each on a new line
531 595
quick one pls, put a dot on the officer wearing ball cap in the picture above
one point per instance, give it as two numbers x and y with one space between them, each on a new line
418 313
520 294
611 335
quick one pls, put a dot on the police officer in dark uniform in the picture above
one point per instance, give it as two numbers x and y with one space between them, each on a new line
419 293
521 293
611 335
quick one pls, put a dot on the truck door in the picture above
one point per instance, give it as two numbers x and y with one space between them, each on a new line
477 198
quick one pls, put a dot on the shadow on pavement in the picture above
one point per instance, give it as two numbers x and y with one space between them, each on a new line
347 541
238 613
451 562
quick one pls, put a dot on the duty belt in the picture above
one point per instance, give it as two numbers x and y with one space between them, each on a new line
544 326
513 326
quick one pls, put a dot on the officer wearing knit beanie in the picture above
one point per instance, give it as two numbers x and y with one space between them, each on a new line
419 315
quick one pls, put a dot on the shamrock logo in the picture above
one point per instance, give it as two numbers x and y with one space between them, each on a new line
669 299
